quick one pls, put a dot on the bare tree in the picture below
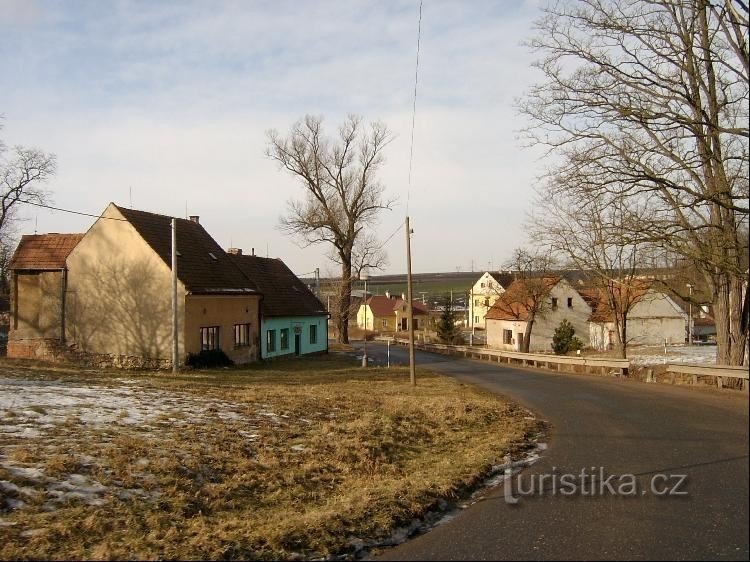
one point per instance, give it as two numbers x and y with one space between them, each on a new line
596 236
23 172
527 298
647 101
342 193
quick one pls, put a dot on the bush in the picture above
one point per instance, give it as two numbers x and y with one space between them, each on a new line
564 339
209 358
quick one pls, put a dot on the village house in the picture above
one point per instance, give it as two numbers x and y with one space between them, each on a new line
484 293
507 318
110 299
652 319
293 320
388 313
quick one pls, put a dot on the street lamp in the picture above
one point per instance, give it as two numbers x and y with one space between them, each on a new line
690 315
364 276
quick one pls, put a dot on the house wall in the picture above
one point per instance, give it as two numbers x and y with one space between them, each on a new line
546 322
652 320
484 294
118 300
35 316
224 311
292 323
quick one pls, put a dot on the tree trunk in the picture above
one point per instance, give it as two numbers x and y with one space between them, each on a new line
527 335
344 301
731 338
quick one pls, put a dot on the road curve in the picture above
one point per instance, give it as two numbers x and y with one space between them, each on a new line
626 427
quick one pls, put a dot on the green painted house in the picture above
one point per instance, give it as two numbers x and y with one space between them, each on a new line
292 319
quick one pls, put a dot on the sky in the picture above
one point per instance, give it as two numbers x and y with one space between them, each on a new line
165 107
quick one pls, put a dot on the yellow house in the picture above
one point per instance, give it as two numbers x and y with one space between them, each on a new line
117 294
387 313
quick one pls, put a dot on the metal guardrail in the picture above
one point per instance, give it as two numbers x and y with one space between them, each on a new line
719 371
553 362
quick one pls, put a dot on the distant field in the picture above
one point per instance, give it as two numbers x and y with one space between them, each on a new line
286 460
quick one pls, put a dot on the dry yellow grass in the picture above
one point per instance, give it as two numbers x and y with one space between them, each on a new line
315 455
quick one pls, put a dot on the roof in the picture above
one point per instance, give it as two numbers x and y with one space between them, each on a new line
380 305
284 294
202 265
515 302
44 251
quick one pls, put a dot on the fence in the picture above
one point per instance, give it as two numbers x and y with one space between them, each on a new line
555 362
719 372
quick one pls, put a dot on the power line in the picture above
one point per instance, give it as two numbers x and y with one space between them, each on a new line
414 108
60 209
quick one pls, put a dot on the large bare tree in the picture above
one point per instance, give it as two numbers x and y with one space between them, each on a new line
647 101
597 236
342 193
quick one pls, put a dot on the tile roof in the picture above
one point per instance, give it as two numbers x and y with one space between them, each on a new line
380 305
599 302
44 251
283 292
202 266
515 302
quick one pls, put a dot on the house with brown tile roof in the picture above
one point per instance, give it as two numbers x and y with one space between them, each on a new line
38 283
293 320
115 306
388 313
484 293
653 317
507 319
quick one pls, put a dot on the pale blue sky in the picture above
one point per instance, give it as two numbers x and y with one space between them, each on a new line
173 100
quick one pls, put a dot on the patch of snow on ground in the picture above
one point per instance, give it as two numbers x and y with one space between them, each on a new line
698 354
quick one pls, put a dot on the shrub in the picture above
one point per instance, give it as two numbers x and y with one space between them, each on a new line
564 339
209 358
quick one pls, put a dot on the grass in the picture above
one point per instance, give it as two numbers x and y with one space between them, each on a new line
299 458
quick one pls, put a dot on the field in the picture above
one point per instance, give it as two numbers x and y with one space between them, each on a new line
300 458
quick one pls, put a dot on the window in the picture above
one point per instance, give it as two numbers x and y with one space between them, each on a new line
508 336
210 338
481 285
241 335
486 302
313 334
476 320
271 340
385 323
570 302
554 303
284 338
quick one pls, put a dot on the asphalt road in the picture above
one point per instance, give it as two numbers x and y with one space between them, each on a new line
627 428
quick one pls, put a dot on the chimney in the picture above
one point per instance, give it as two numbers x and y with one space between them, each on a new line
235 251
195 218
387 295
253 251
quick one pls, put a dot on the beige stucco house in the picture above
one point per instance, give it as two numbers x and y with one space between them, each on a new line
507 318
484 293
653 319
117 295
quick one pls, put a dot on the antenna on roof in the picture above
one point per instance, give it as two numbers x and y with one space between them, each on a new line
266 249
186 211
36 222
130 195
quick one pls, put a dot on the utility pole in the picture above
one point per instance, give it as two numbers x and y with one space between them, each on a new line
364 275
409 310
317 282
175 334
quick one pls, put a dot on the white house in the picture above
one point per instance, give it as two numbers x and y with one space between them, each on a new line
653 319
506 320
484 293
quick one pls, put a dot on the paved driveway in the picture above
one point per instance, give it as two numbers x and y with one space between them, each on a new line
626 428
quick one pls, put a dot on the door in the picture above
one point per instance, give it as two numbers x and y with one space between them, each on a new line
520 341
297 343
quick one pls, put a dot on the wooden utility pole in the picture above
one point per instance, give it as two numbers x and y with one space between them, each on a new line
409 310
175 334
